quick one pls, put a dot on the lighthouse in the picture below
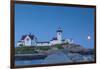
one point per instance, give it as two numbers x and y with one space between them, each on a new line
59 34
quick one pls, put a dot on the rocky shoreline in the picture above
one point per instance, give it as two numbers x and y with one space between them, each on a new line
69 53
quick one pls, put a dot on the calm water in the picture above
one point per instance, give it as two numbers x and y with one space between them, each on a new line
55 58
28 62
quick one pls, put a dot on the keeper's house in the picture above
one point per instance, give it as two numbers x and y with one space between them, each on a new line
31 40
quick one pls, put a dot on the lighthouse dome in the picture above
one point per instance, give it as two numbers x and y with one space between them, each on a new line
59 30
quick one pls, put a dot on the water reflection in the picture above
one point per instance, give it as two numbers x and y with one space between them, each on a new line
28 62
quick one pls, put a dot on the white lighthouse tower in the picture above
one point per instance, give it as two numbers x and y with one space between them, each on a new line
59 35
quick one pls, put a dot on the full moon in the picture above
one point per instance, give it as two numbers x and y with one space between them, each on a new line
89 37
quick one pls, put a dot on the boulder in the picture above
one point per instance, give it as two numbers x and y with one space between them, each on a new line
57 58
74 48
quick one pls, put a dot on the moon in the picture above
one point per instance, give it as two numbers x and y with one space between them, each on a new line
89 37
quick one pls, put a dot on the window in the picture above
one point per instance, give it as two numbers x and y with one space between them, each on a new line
27 39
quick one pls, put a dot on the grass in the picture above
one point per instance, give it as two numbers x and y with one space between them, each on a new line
59 46
30 50
44 48
25 50
35 49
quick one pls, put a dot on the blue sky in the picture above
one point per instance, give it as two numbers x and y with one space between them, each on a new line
43 21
